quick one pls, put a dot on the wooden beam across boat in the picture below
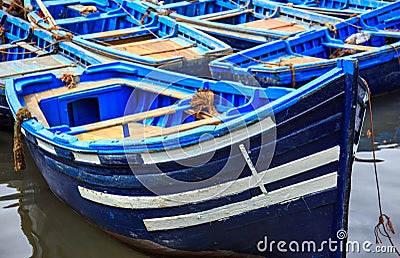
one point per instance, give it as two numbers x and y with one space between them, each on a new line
275 24
349 46
33 65
49 18
159 49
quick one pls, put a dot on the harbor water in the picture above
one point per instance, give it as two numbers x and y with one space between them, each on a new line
34 223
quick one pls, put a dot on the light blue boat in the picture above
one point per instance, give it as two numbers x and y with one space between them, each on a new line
372 38
243 24
338 8
128 31
26 50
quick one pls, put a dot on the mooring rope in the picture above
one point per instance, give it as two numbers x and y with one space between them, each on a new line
382 216
133 17
19 153
203 101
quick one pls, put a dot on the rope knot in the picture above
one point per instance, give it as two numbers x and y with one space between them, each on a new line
203 101
19 153
69 80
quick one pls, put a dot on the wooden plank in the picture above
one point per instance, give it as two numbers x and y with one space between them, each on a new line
384 33
114 132
140 131
350 46
158 49
275 24
33 65
294 61
184 127
47 14
7 46
217 17
32 103
130 118
31 48
92 85
113 33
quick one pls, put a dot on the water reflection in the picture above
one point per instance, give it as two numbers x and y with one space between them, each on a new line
52 228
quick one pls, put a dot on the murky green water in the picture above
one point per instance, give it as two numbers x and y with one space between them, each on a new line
34 223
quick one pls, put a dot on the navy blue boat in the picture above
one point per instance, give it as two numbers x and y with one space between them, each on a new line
24 51
243 24
127 31
372 38
136 152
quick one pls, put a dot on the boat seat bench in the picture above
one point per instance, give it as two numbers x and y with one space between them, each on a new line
141 131
274 24
349 46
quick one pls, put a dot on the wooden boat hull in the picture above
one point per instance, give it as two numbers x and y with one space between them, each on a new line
342 9
308 178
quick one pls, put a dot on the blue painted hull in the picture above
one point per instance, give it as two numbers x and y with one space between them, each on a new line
298 60
327 118
6 117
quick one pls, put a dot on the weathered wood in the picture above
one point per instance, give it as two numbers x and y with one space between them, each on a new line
32 104
294 61
158 49
349 46
49 18
184 127
130 118
275 24
224 16
30 48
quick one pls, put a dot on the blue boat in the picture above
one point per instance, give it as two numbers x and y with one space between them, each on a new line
185 166
24 51
372 38
338 8
243 24
127 31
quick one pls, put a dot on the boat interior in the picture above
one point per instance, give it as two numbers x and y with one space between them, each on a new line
132 30
137 108
253 14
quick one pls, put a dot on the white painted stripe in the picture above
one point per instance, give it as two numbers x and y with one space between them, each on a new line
285 194
213 192
252 168
87 157
23 131
223 141
46 146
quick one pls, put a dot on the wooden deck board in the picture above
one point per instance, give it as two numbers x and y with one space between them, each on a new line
35 64
33 105
295 61
158 49
275 24
92 85
140 131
